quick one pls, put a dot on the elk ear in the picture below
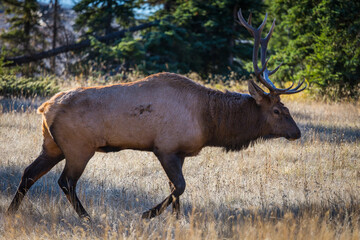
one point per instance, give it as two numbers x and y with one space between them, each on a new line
256 92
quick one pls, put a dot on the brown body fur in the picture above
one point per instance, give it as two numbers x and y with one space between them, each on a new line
165 113
143 115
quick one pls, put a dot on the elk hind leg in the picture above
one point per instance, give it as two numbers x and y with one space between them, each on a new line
74 167
48 158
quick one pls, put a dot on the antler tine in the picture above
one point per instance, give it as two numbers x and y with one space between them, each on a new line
249 18
264 44
290 90
263 69
263 74
275 70
292 84
278 91
294 90
286 89
268 36
299 85
256 33
266 81
262 25
248 26
256 36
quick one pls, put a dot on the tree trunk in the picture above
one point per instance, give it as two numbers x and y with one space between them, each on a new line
108 17
27 27
232 40
54 39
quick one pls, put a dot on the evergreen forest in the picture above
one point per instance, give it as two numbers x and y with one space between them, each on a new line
317 40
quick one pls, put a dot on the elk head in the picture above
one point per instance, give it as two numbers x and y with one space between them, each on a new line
278 119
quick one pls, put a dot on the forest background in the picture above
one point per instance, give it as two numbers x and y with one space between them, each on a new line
316 40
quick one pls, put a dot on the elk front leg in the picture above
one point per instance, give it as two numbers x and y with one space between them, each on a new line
172 164
176 203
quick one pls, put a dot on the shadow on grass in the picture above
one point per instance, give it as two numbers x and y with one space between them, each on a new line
333 134
19 104
117 201
88 191
121 201
329 133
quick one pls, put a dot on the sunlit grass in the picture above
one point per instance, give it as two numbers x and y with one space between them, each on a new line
307 189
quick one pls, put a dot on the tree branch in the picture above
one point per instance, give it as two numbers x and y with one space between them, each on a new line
75 46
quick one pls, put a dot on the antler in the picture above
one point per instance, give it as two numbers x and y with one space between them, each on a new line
263 74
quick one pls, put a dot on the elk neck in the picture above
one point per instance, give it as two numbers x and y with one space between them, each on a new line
236 120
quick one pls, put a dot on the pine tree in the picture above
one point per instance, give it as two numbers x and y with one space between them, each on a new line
24 36
98 17
319 40
199 36
55 6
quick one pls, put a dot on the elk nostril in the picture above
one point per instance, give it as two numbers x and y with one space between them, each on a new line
294 135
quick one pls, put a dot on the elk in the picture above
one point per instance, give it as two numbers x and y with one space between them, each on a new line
167 114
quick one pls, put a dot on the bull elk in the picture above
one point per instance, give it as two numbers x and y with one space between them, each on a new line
167 114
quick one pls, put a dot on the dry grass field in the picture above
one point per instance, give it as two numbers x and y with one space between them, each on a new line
306 189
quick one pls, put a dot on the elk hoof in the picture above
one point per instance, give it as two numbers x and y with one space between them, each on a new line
176 215
86 219
149 214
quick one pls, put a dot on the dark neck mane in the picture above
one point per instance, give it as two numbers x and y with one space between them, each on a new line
237 120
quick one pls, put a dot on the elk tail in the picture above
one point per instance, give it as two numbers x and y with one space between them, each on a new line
42 108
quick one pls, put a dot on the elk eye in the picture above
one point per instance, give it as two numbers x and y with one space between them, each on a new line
276 112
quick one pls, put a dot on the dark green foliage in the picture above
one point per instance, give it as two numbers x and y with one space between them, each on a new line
97 17
24 34
198 36
111 58
12 85
124 53
168 49
319 40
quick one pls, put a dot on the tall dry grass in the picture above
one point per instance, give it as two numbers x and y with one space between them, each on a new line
306 189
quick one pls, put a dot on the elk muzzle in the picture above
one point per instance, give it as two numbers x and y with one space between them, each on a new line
293 135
